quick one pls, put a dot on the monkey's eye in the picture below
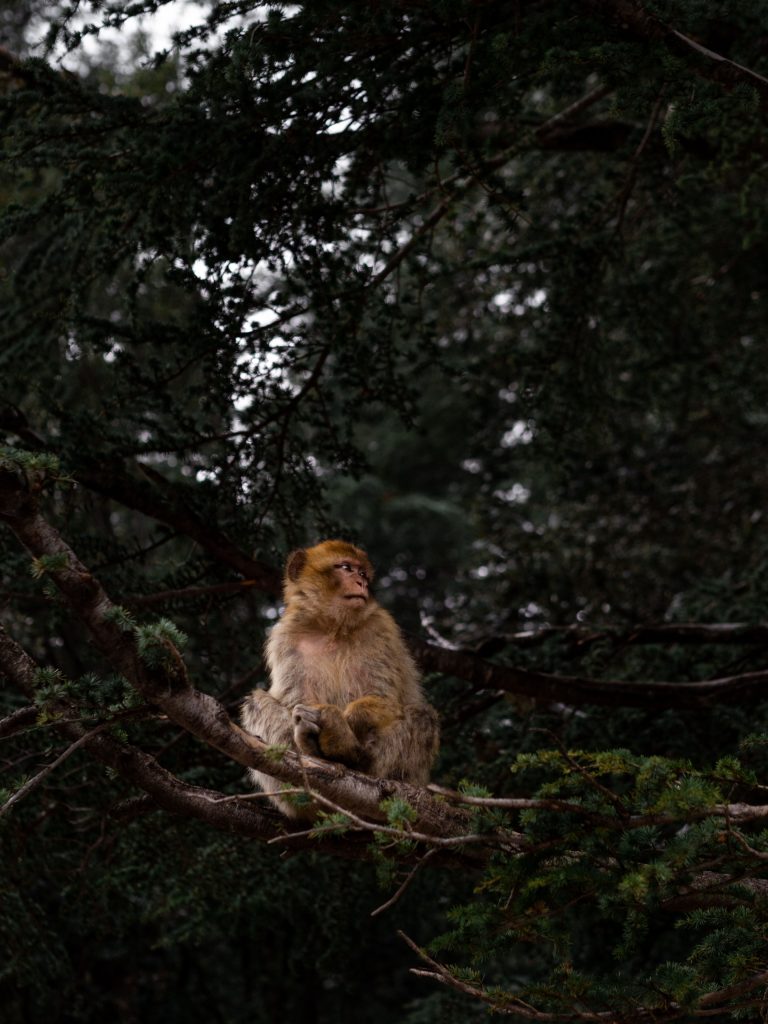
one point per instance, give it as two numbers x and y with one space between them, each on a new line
348 567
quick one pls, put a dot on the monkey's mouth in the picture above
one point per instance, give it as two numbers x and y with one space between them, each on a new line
356 597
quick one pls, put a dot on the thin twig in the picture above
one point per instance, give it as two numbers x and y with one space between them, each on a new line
252 796
526 804
511 840
411 875
610 796
36 780
140 600
575 108
758 854
511 1005
18 721
629 185
718 58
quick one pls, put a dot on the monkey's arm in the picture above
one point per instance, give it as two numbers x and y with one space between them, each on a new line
267 718
272 721
318 730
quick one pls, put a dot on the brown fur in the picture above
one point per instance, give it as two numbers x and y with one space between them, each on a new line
344 686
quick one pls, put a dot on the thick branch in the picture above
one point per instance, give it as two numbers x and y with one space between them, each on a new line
168 793
151 499
147 491
664 633
137 767
581 690
143 489
18 721
200 714
636 21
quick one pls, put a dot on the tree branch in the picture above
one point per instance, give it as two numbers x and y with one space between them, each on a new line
541 686
500 1003
636 21
135 766
40 777
168 687
166 791
512 1005
160 501
665 633
18 721
143 489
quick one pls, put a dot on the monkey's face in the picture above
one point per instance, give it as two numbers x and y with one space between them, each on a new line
351 582
329 585
348 601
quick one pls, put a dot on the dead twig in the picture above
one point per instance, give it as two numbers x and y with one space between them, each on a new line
410 877
42 775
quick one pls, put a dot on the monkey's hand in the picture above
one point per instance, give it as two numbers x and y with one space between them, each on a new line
320 730
367 715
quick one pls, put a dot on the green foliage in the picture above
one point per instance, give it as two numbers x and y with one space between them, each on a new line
468 788
48 681
35 461
615 890
335 824
45 564
91 695
156 640
121 617
399 813
388 849
274 752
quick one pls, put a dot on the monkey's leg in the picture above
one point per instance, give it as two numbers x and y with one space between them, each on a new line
406 748
368 713
321 730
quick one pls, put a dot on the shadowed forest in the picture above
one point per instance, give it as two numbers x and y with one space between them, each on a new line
479 286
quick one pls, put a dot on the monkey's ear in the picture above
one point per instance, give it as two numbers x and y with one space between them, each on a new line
295 564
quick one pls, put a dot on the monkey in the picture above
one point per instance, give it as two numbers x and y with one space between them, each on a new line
343 684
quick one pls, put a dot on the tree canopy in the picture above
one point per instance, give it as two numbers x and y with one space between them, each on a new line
479 285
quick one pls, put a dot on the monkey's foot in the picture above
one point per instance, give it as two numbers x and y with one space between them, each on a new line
306 729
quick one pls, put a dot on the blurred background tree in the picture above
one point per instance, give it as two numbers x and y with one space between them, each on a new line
480 285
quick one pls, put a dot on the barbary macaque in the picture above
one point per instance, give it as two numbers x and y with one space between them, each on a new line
343 685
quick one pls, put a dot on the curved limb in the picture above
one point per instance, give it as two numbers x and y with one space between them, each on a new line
406 749
320 730
367 714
